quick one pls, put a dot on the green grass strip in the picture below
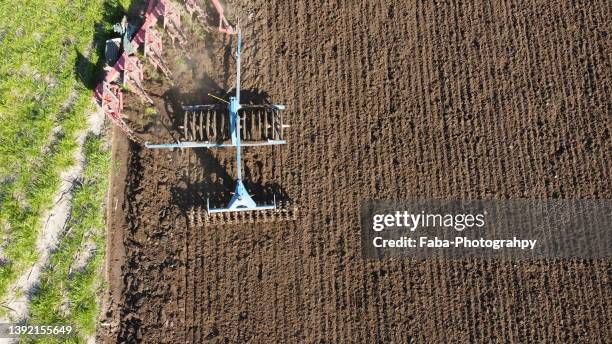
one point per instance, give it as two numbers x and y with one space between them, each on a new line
45 94
67 293
43 105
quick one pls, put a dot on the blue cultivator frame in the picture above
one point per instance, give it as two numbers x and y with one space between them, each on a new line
202 123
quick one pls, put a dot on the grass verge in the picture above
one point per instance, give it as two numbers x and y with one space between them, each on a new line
46 78
45 93
70 283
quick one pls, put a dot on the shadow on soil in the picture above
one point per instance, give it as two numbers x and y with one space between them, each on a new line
218 190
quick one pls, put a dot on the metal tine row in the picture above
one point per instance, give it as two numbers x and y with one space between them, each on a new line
198 217
208 125
255 125
261 124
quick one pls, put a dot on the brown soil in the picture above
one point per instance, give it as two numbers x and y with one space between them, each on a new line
390 100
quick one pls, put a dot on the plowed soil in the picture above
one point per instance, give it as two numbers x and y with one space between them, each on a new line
386 100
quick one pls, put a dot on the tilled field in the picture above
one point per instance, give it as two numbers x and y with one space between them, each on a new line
387 100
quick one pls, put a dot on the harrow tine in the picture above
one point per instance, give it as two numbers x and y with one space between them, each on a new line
273 126
193 126
280 114
186 125
201 125
262 126
243 126
214 126
208 125
253 117
223 124
265 125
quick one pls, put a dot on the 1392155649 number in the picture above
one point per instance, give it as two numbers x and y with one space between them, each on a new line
38 330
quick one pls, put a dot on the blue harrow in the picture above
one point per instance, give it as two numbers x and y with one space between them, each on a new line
205 126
